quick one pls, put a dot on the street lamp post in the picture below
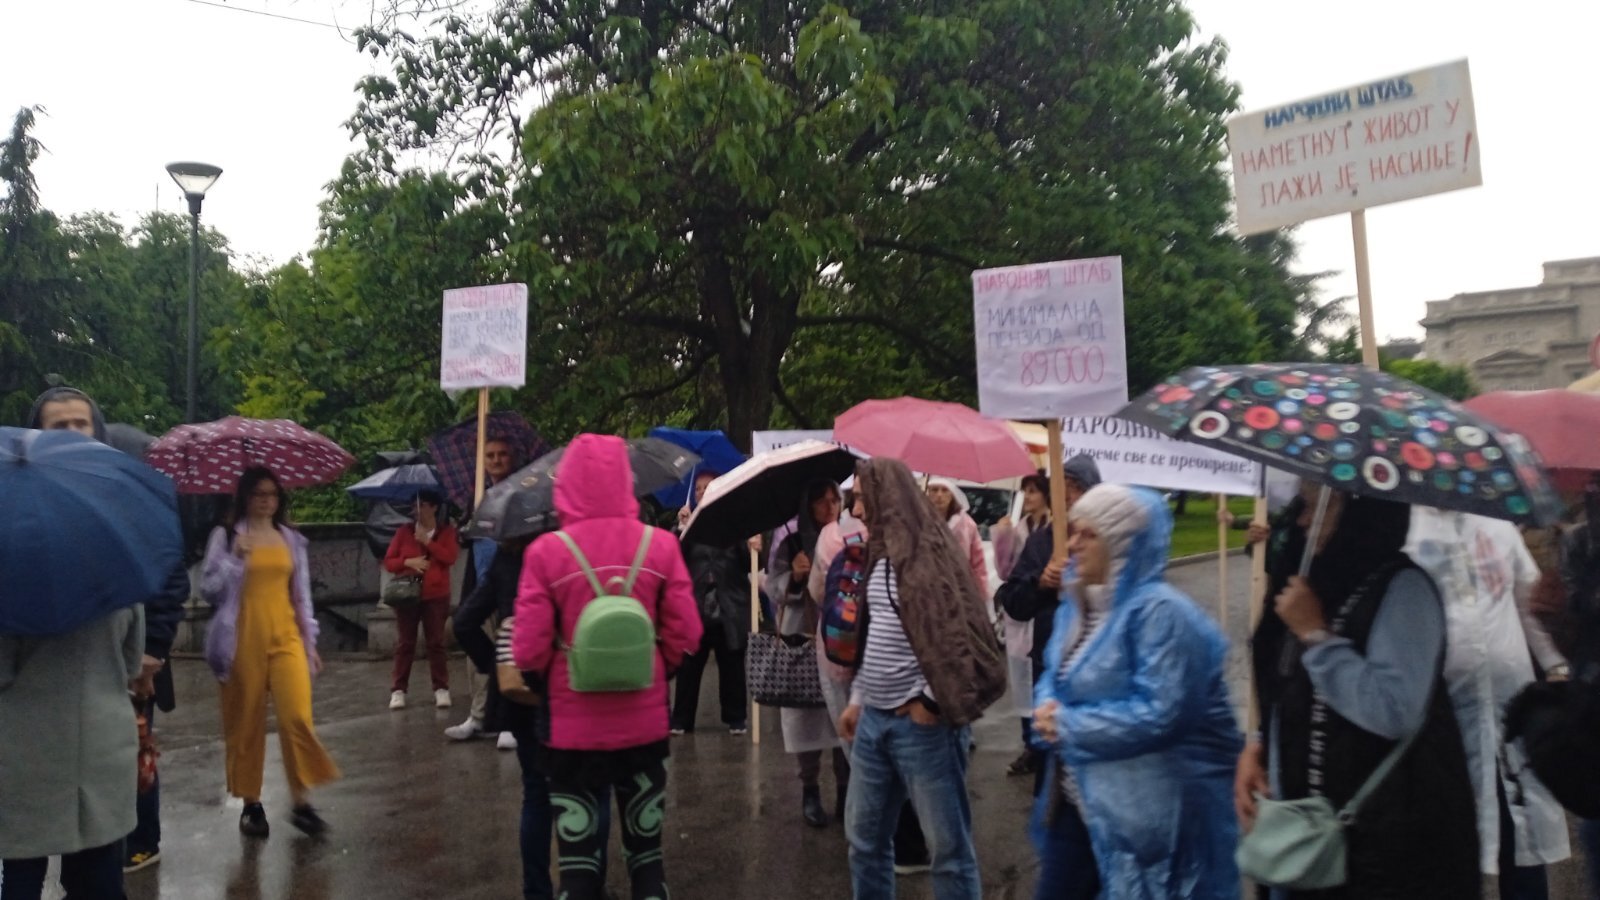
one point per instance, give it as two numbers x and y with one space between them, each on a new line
194 179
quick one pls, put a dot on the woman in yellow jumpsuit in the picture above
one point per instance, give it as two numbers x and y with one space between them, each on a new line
263 640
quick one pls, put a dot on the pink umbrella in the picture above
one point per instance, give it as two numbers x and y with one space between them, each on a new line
209 457
936 438
1562 425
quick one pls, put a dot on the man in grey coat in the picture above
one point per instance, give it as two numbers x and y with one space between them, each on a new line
70 409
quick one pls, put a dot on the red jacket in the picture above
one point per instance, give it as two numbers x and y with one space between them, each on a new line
594 497
441 553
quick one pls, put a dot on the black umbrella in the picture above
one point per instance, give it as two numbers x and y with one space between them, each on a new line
524 503
1356 430
130 439
764 492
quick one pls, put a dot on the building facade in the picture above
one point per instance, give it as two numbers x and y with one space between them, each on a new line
1521 339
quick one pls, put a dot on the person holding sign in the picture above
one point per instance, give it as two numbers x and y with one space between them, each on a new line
1032 588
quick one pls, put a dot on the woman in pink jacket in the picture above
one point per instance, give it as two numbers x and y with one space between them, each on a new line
615 739
950 502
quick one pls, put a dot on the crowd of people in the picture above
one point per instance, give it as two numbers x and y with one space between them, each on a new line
1381 679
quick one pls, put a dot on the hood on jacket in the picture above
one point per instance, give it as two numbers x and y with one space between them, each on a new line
595 481
36 414
962 503
1137 528
1083 470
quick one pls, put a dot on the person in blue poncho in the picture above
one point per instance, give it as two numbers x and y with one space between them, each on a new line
1138 799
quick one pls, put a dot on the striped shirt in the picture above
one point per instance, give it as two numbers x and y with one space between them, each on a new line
889 674
1094 614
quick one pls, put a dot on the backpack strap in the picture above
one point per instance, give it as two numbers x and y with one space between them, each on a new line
583 563
638 560
588 571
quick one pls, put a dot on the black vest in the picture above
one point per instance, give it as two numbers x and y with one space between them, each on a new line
1417 835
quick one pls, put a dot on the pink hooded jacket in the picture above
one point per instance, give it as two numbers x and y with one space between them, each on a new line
594 498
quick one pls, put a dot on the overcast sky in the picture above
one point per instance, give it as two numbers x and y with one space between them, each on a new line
131 85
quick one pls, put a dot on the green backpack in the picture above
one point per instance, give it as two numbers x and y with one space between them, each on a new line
614 644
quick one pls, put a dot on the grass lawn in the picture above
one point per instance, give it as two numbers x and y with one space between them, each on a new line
1196 530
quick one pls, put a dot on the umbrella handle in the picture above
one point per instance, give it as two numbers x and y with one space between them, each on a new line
1316 530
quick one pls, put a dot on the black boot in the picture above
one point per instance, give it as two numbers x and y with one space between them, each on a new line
811 807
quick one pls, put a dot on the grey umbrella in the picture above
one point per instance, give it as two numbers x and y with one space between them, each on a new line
524 503
129 439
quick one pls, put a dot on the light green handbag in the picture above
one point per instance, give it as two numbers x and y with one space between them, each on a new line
1300 844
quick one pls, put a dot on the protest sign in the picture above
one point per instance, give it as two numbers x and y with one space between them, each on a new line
764 441
1381 142
1129 453
1050 339
484 341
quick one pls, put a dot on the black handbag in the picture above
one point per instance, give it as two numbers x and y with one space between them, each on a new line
403 592
1559 725
782 671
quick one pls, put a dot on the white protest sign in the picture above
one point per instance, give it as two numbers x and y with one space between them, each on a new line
1129 453
484 340
1382 142
764 441
1050 339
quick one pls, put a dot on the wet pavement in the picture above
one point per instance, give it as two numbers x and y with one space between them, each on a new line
417 816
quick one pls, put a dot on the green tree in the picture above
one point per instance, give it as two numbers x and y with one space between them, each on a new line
1455 382
731 208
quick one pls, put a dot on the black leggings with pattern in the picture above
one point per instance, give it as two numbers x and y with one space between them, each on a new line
582 842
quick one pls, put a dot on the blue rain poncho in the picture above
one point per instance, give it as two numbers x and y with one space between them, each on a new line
1147 728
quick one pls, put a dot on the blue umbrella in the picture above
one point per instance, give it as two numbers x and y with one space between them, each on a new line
716 452
87 530
400 484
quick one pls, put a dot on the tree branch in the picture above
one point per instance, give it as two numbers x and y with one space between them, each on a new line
783 399
939 358
922 250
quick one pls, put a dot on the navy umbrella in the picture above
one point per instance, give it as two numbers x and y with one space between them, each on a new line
400 484
87 530
717 455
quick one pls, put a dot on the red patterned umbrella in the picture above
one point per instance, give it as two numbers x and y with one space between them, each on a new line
208 458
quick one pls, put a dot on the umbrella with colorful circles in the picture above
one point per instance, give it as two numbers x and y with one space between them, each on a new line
1355 430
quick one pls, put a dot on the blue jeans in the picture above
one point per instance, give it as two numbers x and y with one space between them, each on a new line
93 874
1589 840
1066 859
894 759
538 822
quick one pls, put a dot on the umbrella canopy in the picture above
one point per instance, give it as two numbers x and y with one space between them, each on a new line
455 451
764 492
1562 425
129 439
400 484
716 452
208 458
937 438
524 503
1356 430
87 530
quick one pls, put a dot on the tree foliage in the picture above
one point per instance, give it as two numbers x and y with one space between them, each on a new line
103 306
741 207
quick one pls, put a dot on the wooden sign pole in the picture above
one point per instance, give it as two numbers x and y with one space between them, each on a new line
1369 332
1223 525
1058 492
483 432
755 624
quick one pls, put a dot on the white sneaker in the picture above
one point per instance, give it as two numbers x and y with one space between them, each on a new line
506 741
397 700
441 698
466 731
